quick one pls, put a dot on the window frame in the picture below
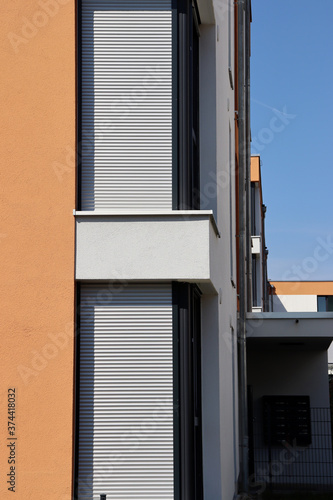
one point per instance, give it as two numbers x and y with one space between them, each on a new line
187 173
187 392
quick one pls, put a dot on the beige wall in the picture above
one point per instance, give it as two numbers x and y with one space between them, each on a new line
37 243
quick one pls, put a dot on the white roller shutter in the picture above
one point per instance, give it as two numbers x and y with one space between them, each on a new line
126 104
126 393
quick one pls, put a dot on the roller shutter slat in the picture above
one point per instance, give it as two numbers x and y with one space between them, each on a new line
126 159
126 393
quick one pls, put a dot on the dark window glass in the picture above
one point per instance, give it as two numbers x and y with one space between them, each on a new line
254 282
187 304
329 303
188 108
253 210
325 303
195 113
321 304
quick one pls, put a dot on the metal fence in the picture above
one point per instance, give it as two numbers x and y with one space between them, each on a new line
290 464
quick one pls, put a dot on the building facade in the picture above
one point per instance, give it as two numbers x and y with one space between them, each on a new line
124 242
140 334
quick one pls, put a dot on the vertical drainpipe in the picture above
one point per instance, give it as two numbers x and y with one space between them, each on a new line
243 427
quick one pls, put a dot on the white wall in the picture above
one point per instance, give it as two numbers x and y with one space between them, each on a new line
294 303
227 314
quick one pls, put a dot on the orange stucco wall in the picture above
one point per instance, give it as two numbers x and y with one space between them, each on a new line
37 244
255 168
303 287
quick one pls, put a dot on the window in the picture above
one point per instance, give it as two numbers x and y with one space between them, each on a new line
139 351
231 202
126 408
126 94
188 111
253 210
138 136
187 319
325 303
255 282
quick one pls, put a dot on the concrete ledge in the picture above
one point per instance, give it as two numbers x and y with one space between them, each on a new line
290 315
293 327
146 246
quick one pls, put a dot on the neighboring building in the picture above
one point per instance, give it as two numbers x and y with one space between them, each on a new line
304 296
260 285
119 323
289 406
296 296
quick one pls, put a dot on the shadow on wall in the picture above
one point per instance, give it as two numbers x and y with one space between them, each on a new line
278 305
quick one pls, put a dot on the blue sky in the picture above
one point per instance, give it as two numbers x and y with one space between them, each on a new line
292 130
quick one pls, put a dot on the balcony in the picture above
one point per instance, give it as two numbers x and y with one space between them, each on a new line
164 245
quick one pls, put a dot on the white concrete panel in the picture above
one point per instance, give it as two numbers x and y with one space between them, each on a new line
290 325
294 303
225 118
145 247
